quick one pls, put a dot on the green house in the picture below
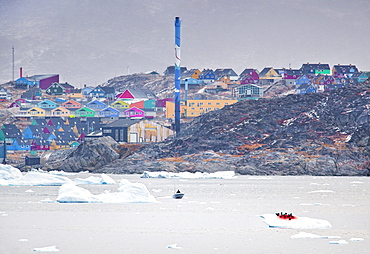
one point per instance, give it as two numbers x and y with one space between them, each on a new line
85 112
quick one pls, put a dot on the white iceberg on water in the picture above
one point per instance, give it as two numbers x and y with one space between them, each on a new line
103 179
11 176
127 193
188 175
300 222
47 249
8 172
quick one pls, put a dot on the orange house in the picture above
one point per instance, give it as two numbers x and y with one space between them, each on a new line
71 104
139 104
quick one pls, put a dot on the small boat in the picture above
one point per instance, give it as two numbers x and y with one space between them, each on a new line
178 195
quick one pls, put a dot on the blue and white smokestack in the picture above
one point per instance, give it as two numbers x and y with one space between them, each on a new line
177 74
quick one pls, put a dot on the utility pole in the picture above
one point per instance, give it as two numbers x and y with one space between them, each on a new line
13 61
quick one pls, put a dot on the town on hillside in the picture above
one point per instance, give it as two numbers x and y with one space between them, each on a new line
49 115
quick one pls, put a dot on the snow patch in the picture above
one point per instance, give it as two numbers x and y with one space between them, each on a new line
309 235
47 249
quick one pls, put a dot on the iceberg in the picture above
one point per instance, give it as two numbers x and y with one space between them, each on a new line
39 179
11 176
104 179
127 193
8 172
188 175
300 222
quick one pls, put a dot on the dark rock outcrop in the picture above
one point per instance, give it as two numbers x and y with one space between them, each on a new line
313 134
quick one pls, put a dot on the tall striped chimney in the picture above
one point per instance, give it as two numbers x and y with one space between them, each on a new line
177 74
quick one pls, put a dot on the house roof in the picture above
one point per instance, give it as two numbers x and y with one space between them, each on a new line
222 72
108 90
345 68
310 68
40 77
122 123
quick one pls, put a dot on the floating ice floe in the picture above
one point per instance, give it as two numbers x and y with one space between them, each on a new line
127 193
356 239
300 222
103 179
62 173
47 249
321 191
173 246
309 235
196 175
339 242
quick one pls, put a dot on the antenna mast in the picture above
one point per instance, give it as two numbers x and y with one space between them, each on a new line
13 60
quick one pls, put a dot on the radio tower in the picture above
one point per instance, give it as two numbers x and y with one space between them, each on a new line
13 60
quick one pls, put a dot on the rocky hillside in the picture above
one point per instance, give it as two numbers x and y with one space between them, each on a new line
315 134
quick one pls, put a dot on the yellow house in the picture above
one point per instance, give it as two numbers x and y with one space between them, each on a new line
36 111
120 105
194 108
269 73
60 111
76 93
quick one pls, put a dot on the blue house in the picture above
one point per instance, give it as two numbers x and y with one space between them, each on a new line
306 88
47 104
103 92
96 105
302 80
33 131
207 76
109 112
19 144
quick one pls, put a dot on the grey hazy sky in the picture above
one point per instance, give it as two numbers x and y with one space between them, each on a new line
89 42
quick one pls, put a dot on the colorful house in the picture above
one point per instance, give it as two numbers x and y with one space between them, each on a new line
58 89
76 94
85 112
36 111
71 105
60 111
136 94
207 76
268 73
230 73
109 112
96 105
120 104
103 92
47 104
138 104
306 88
315 69
360 77
191 74
251 72
342 71
41 81
249 91
302 80
133 113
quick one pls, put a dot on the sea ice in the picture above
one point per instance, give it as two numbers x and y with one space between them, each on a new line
103 179
196 175
339 242
356 239
301 222
173 246
127 193
321 191
309 235
47 249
